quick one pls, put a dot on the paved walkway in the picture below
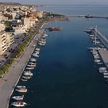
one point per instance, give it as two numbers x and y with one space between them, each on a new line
104 55
9 81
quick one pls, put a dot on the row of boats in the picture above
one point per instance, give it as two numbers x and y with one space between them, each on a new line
104 71
95 52
27 75
96 56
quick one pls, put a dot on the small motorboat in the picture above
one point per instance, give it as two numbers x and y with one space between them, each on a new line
37 49
28 74
26 77
31 63
29 68
19 104
42 43
103 70
89 31
35 55
21 89
105 76
22 79
97 61
37 52
33 60
18 98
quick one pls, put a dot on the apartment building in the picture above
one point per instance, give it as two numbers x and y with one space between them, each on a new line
6 39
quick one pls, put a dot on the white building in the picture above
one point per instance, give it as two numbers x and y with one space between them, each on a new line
6 39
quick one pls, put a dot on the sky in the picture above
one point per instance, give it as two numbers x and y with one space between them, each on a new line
59 1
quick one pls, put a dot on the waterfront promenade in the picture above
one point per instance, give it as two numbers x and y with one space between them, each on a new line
7 84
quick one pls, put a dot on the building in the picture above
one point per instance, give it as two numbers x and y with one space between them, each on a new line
3 18
39 14
6 40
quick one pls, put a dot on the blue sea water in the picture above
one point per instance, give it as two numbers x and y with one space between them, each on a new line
66 76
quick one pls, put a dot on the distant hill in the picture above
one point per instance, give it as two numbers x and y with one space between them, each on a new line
9 3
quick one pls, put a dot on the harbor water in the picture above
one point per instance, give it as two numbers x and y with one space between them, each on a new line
66 75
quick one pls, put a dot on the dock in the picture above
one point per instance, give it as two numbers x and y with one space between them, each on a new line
101 37
103 51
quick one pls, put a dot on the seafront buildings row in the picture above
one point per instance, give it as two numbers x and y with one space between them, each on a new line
15 22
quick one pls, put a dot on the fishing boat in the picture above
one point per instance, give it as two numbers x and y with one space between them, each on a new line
19 104
18 98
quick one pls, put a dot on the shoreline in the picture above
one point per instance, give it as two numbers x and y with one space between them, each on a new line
44 23
11 79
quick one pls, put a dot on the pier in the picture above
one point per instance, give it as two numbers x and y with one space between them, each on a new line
104 55
101 37
103 51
